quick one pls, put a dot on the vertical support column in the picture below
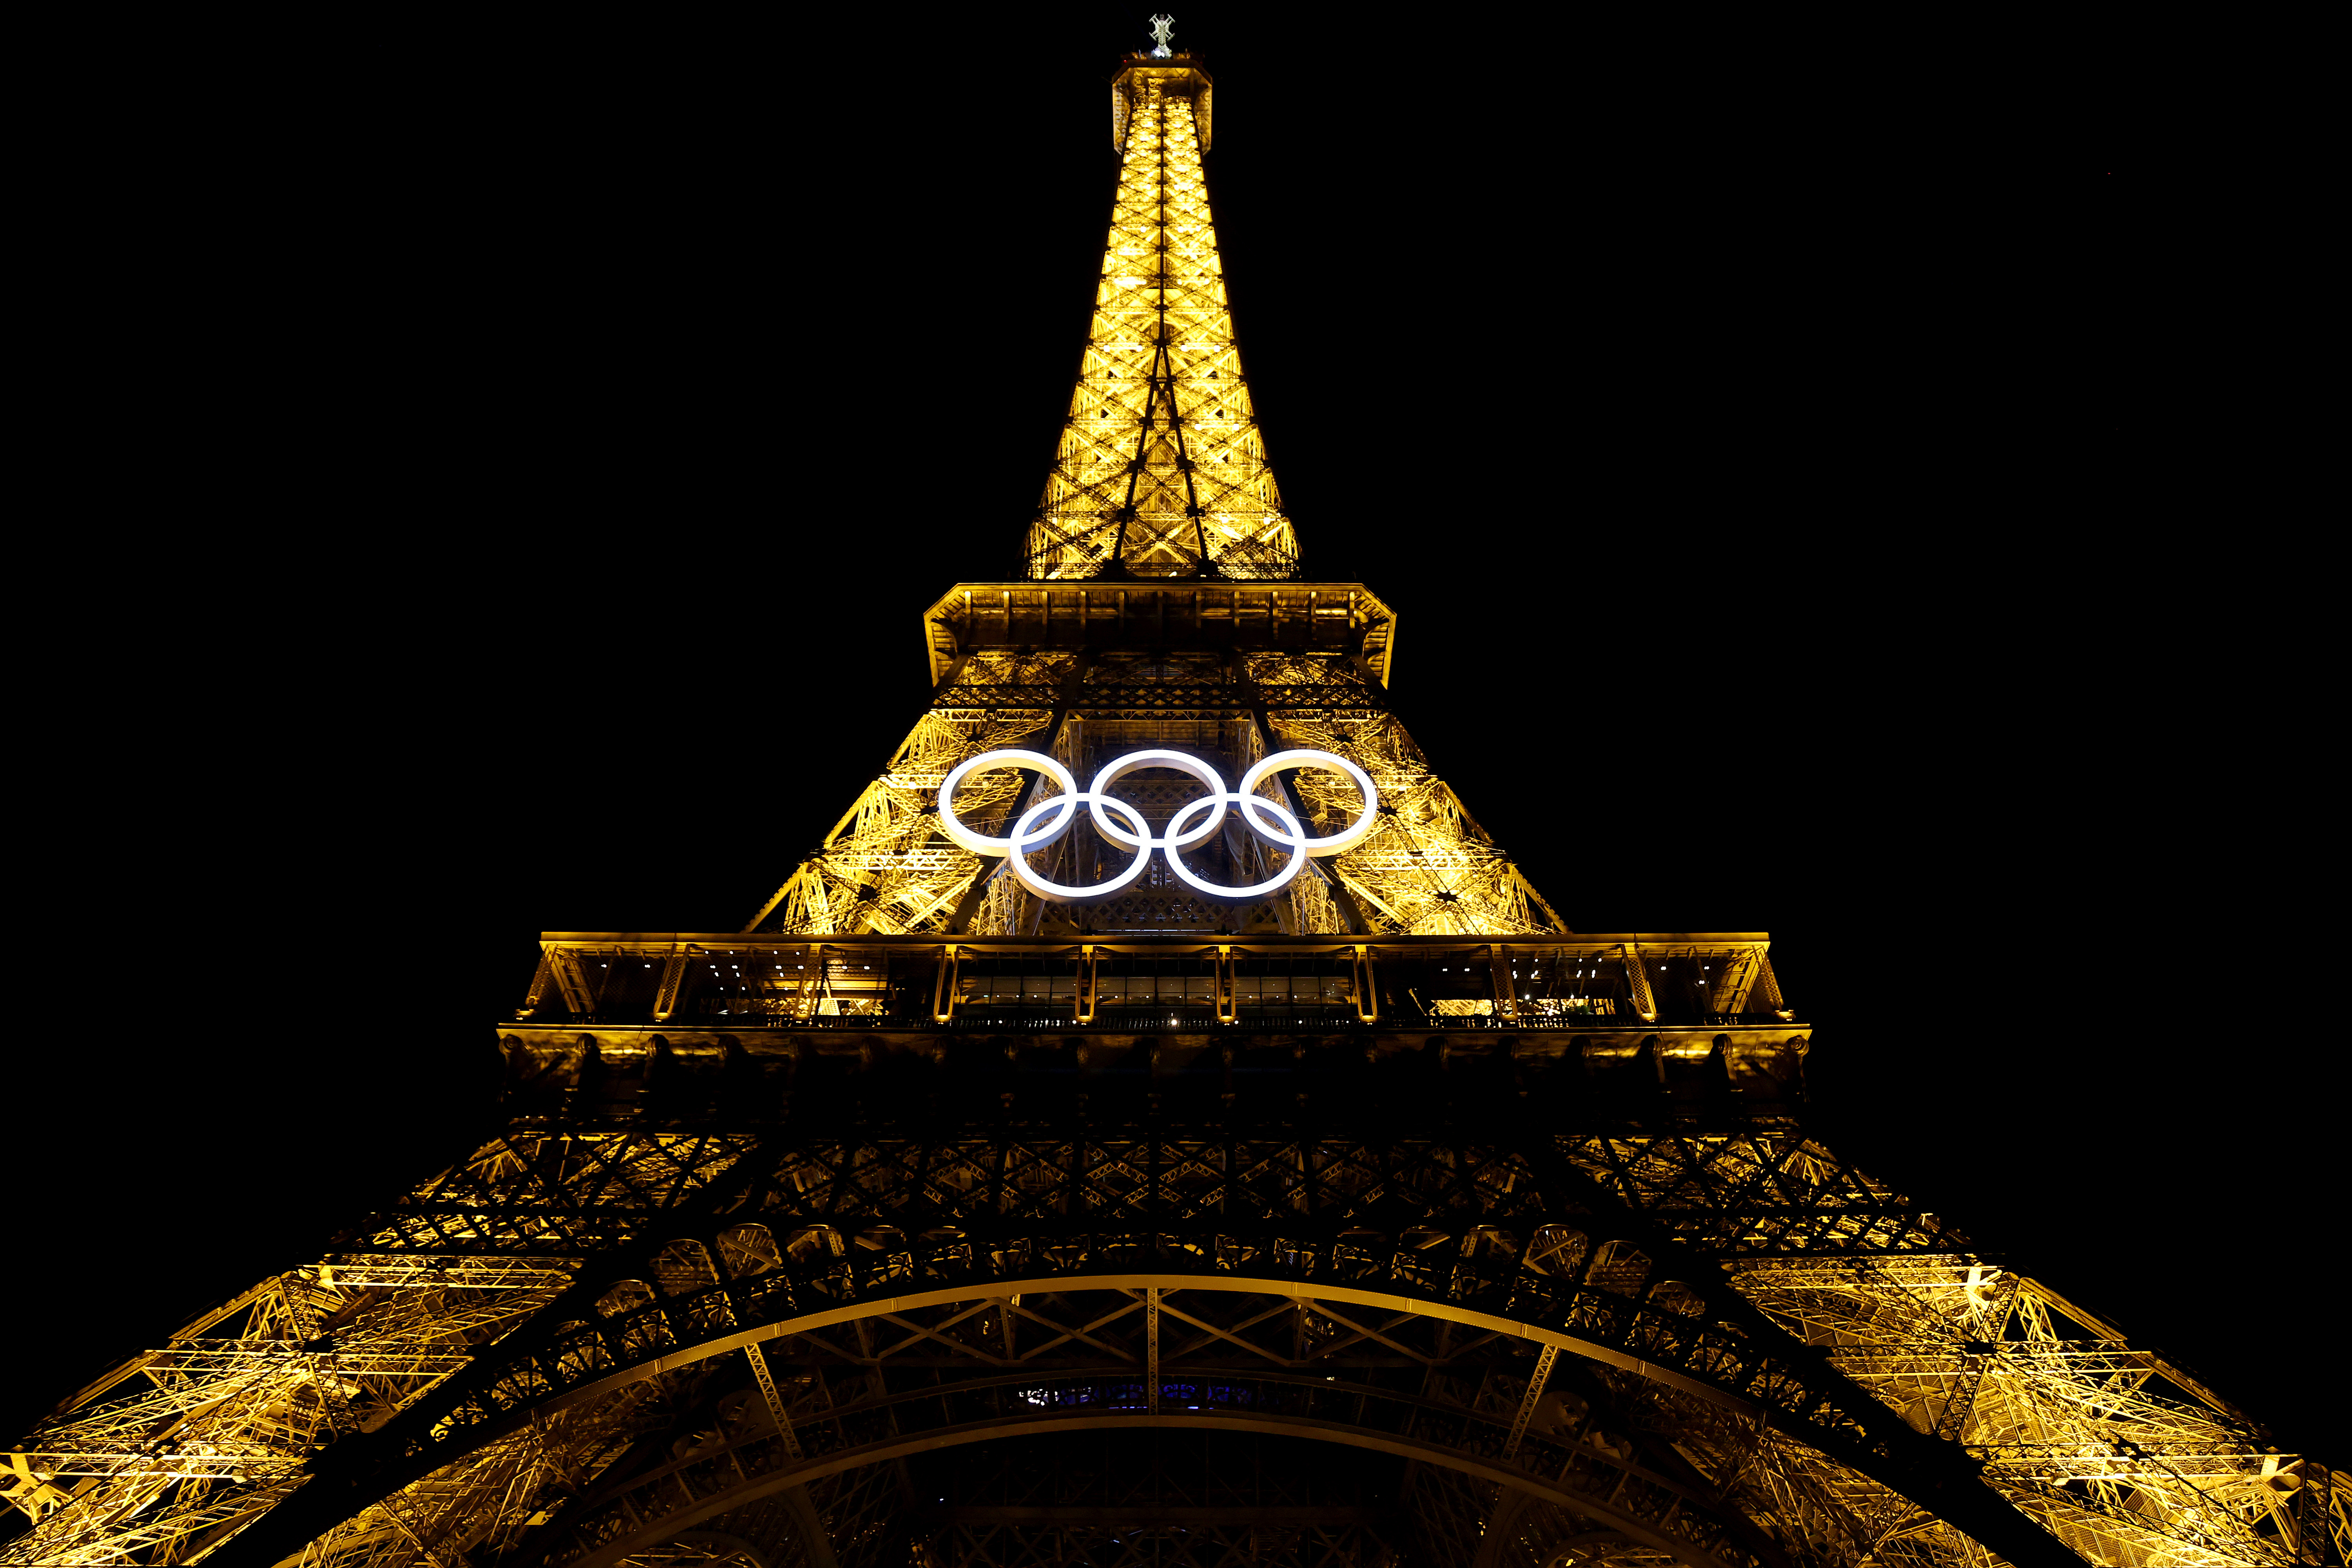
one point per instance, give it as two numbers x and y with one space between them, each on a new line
1152 1348
1085 985
1527 1405
943 993
569 975
1767 986
1637 981
673 976
1506 996
1735 973
540 979
1368 993
812 980
1227 1012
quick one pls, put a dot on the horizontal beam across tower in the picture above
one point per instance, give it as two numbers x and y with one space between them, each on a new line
1334 617
1599 987
1594 943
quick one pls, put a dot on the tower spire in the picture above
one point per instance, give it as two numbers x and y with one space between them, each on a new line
1162 471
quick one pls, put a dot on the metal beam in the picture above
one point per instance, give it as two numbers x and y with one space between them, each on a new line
817 1541
1602 945
1637 981
1152 1347
1315 1296
1527 1405
673 974
760 1373
1144 1516
540 979
577 998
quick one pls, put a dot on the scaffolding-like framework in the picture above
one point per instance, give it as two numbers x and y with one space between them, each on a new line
1381 1221
1160 471
797 1298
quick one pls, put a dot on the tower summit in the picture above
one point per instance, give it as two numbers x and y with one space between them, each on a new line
1161 471
1156 1124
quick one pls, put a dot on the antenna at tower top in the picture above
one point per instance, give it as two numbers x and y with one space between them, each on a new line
1160 26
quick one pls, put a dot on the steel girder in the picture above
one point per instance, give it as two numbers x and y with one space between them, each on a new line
1821 1371
1161 470
1478 1234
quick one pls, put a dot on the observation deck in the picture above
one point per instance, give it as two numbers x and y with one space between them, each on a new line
1345 618
1635 1027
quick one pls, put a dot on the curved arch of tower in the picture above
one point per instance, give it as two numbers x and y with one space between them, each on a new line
1368 1216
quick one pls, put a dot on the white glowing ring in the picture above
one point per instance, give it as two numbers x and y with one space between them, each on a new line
1348 838
1294 836
1023 841
1035 761
1277 827
1113 772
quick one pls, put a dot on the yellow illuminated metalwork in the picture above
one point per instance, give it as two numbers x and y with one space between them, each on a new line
1161 615
2119 1454
1162 471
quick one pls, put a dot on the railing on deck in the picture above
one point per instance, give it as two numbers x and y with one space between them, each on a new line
1565 983
1133 1021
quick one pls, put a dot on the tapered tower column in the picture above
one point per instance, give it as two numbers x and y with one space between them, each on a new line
1161 470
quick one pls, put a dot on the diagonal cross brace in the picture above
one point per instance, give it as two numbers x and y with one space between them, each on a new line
1528 1404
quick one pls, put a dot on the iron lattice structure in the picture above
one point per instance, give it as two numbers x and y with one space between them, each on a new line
1384 1221
1160 471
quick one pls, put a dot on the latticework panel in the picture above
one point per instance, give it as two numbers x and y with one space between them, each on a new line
1161 466
175 1449
1428 869
2122 1457
639 1407
886 867
487 1501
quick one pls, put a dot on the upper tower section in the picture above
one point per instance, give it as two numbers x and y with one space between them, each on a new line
1161 470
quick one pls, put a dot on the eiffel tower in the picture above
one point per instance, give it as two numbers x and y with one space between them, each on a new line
954 1212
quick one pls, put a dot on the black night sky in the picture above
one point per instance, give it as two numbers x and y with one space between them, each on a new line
1750 455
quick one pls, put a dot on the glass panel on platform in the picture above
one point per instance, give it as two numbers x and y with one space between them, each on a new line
1026 986
1168 986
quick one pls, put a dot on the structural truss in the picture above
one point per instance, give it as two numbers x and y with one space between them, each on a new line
1160 471
1384 1221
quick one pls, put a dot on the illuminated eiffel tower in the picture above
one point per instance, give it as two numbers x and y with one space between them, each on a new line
1311 1196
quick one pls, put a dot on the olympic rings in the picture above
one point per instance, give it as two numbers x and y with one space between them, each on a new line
1278 827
